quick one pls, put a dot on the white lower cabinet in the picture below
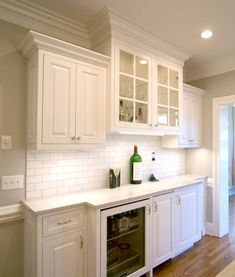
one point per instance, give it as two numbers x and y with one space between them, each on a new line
55 244
63 255
162 226
187 218
176 222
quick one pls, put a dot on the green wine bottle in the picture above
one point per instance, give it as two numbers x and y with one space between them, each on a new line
135 167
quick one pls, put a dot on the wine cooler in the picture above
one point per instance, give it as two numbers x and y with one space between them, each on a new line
125 240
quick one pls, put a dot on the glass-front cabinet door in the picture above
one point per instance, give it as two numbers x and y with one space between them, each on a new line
124 240
133 104
168 97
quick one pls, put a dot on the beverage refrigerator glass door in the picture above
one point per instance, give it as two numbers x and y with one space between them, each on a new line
124 243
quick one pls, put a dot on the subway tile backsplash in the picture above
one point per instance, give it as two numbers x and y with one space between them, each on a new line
57 172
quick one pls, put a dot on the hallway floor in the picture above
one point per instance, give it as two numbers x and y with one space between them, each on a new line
206 258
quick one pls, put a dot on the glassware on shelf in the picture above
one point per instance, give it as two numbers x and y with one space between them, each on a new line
121 111
139 117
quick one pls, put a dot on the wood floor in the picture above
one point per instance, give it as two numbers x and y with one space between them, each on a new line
206 258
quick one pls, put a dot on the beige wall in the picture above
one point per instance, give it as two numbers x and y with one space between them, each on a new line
11 249
12 108
199 161
12 162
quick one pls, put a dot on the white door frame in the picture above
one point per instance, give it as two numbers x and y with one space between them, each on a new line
218 229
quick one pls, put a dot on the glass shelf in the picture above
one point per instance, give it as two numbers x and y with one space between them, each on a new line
123 234
125 265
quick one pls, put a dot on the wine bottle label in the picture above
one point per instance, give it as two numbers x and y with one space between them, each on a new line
137 171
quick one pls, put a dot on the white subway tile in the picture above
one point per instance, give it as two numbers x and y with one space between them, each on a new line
33 179
48 192
34 164
41 171
49 178
33 194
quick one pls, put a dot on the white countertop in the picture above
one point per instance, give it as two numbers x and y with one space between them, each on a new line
106 197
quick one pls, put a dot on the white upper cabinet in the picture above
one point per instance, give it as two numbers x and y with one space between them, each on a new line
169 97
132 90
59 94
145 77
191 121
146 95
66 94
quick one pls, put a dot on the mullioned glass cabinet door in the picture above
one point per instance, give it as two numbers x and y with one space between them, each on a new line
168 97
133 88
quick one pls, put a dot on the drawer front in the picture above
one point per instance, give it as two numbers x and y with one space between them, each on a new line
57 223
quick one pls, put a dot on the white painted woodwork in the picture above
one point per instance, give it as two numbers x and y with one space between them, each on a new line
55 244
219 225
191 122
151 127
54 233
59 93
63 255
162 228
190 136
187 218
57 223
66 94
147 232
90 104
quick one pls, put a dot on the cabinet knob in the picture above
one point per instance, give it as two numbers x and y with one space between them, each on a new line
150 125
73 138
78 138
190 140
156 125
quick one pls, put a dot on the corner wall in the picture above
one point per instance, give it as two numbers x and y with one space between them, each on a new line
199 161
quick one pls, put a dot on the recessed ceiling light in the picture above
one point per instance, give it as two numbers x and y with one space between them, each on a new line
206 34
143 61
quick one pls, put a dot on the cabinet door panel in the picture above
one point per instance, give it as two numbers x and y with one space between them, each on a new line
58 100
90 101
62 256
187 219
162 228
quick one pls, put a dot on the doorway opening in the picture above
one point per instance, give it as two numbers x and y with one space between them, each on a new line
224 165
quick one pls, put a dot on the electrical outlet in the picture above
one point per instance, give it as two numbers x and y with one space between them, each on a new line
12 182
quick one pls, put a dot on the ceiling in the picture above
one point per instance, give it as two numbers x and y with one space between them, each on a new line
177 22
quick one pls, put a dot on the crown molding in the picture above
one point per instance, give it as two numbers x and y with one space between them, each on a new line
35 41
192 90
206 70
108 23
34 17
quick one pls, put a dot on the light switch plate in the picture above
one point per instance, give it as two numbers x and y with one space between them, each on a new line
6 142
12 182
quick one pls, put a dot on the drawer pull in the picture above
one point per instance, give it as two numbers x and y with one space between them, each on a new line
64 222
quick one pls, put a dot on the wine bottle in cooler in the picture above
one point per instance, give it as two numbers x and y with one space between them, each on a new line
135 167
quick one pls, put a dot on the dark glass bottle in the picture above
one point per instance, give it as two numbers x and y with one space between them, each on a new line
135 167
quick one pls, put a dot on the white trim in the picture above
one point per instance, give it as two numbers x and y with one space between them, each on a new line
35 17
10 213
193 90
109 23
34 41
216 161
